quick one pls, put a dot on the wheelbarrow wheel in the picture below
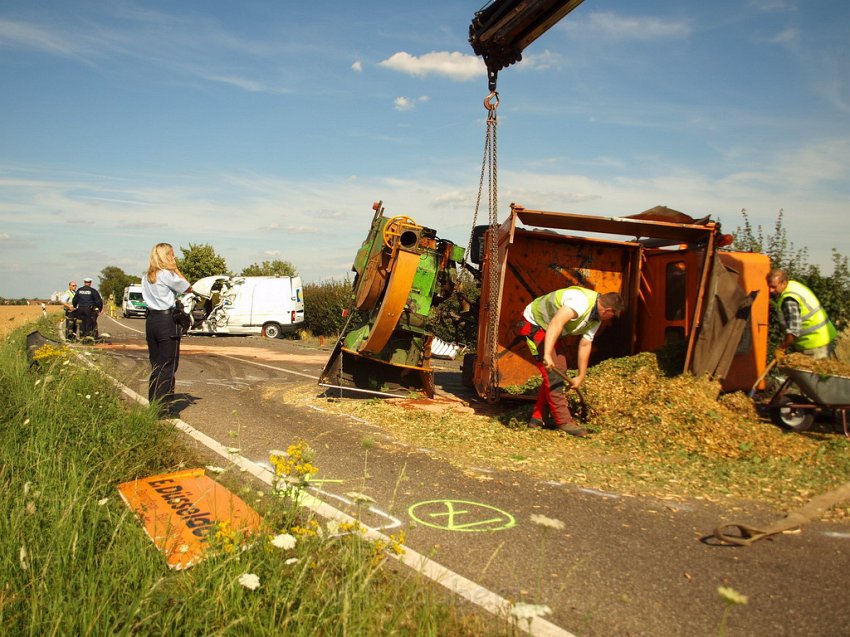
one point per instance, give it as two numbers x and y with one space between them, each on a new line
792 418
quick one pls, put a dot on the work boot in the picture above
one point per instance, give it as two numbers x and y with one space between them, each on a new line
573 429
535 423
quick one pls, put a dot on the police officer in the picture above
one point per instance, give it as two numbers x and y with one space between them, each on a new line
89 304
67 300
161 285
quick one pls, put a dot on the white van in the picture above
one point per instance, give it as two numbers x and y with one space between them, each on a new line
267 305
133 304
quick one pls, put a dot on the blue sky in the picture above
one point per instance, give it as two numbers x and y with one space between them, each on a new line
267 129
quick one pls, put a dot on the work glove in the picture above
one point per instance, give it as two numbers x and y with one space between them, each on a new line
779 354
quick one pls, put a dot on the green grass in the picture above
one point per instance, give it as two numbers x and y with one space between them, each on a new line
76 562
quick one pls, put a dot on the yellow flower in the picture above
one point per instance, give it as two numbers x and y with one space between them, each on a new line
731 596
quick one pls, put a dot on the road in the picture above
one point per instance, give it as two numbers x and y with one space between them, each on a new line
621 566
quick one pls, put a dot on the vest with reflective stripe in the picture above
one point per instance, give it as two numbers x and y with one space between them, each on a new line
816 330
545 307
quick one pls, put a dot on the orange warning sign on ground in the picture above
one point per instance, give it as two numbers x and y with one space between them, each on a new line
180 510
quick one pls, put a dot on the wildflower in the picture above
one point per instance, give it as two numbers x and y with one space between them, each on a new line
66 362
291 560
233 450
27 487
293 465
183 548
250 581
551 523
214 469
284 541
333 527
38 382
359 497
26 422
731 596
102 501
88 396
521 610
22 558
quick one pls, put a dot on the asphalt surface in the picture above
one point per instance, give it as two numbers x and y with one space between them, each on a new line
621 566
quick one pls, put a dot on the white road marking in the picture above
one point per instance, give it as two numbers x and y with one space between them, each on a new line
445 577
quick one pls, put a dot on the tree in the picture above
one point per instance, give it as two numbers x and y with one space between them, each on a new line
113 279
270 268
833 292
200 260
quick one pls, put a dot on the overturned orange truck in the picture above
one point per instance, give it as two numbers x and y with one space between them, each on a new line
680 287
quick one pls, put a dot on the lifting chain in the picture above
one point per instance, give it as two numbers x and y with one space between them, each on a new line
489 165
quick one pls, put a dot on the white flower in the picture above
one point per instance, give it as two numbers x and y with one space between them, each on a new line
284 541
38 382
66 362
359 497
214 469
333 527
250 581
552 523
88 396
22 558
233 450
291 560
102 501
183 548
27 421
521 610
27 487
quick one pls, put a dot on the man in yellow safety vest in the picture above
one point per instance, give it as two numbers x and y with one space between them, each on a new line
806 325
572 311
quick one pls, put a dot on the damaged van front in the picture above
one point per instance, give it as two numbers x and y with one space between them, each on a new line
245 305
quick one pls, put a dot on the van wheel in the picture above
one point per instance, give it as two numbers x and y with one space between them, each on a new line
271 330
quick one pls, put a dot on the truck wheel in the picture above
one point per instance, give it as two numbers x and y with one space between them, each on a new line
792 418
272 330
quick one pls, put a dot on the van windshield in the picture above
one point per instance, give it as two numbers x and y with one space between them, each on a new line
135 296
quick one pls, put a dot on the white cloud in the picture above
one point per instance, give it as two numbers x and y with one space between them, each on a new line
611 26
24 35
454 65
540 61
357 66
402 103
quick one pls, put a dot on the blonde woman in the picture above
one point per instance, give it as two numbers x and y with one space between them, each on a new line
161 285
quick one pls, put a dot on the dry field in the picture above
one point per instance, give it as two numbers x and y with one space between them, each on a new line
13 316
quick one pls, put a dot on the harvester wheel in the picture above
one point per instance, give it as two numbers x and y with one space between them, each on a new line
393 228
372 283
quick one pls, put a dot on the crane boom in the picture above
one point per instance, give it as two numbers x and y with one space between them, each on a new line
504 28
